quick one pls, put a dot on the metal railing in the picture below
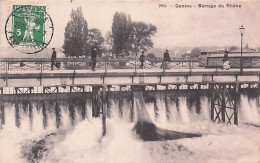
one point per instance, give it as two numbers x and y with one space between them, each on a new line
104 63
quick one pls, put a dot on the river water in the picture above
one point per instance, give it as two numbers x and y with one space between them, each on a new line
63 130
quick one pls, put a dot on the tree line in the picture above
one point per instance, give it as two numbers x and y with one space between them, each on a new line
125 38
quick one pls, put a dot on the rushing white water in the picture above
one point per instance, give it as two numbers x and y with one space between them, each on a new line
83 142
249 112
184 114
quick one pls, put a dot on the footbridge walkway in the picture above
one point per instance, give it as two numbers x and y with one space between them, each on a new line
225 85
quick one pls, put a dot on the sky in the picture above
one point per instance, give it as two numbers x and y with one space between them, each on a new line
184 27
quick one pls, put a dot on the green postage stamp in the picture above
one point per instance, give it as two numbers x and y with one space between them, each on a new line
29 29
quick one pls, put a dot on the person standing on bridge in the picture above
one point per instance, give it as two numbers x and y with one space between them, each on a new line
166 59
142 59
93 59
53 58
225 65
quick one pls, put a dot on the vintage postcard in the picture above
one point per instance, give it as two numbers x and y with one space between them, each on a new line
129 81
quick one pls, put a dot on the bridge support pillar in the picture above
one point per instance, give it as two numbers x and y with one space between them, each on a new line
132 107
108 102
258 95
44 115
96 101
155 103
198 104
193 97
224 103
156 108
120 102
17 114
83 108
30 113
104 109
72 112
177 100
166 101
58 114
2 115
237 87
99 104
211 88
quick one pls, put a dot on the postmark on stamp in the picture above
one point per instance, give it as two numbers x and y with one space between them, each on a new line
29 29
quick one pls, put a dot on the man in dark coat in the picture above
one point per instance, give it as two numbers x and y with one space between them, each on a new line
142 58
166 59
93 59
53 58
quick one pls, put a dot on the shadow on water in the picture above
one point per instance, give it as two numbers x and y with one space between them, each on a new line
251 124
148 131
36 150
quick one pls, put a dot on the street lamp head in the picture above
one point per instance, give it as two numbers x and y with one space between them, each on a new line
242 30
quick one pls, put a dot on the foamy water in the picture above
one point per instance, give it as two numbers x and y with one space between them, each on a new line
83 142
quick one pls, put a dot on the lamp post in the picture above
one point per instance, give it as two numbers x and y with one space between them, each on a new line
242 29
133 36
